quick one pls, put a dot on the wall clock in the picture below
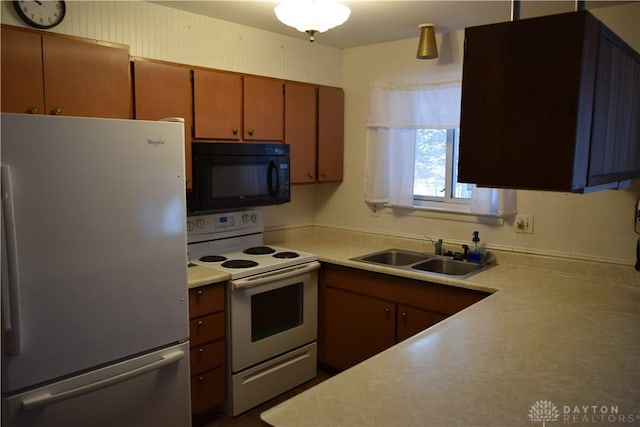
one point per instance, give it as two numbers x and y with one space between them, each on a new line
41 13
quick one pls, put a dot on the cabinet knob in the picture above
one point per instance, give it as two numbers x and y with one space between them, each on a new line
310 174
201 350
386 309
33 110
199 293
235 131
251 132
403 314
199 323
201 379
323 174
57 111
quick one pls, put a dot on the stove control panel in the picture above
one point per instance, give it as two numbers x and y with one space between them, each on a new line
222 225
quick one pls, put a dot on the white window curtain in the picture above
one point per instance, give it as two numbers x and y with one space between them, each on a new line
395 112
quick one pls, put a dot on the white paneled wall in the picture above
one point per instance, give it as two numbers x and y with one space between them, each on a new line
154 31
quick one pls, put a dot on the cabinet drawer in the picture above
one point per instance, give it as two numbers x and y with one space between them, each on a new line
207 356
208 390
206 328
206 299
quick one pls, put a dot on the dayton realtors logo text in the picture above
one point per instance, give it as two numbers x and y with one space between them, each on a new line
545 411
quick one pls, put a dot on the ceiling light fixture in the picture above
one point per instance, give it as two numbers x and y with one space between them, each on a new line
312 16
427 47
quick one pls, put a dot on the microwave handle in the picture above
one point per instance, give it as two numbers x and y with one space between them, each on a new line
273 166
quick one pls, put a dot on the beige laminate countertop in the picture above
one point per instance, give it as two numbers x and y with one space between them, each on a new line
201 276
569 336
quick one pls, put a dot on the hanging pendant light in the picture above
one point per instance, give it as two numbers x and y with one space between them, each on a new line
312 16
427 47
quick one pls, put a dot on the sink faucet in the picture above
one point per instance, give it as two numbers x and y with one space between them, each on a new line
438 245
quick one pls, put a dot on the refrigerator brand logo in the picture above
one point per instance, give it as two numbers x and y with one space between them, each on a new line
155 142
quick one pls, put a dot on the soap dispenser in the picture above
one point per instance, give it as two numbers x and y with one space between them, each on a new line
476 255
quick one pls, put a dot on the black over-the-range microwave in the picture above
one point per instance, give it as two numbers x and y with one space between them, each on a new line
238 175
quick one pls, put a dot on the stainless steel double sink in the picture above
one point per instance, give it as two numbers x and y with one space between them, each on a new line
421 262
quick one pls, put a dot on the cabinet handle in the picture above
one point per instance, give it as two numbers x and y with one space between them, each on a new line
57 111
235 131
251 131
33 110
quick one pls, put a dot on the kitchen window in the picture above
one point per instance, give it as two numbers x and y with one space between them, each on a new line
435 182
411 152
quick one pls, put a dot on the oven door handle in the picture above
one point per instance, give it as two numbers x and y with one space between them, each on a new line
274 275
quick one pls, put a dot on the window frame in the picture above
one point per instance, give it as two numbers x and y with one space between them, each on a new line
447 202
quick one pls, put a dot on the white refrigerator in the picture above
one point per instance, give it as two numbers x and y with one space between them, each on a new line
94 273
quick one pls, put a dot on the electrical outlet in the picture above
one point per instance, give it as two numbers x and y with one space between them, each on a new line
524 224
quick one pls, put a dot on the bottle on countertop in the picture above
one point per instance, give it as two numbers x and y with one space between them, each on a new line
476 254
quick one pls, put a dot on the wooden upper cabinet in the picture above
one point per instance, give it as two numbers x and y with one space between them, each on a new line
549 103
263 109
217 105
615 133
164 90
86 78
22 83
330 134
300 124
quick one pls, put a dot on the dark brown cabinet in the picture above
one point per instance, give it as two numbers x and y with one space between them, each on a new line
45 73
362 313
549 103
207 339
164 90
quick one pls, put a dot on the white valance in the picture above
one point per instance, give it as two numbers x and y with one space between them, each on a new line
415 106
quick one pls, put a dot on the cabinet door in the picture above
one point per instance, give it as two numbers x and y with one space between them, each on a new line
615 135
84 78
330 134
353 327
164 90
22 89
263 109
412 320
217 105
300 131
526 95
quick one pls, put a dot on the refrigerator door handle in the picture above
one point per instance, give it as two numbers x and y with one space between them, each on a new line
10 278
45 399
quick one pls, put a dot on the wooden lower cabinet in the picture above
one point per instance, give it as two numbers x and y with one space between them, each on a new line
362 313
207 337
356 327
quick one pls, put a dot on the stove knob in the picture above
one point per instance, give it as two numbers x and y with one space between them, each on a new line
200 223
245 218
190 226
254 218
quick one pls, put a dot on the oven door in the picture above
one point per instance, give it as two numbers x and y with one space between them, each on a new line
272 313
